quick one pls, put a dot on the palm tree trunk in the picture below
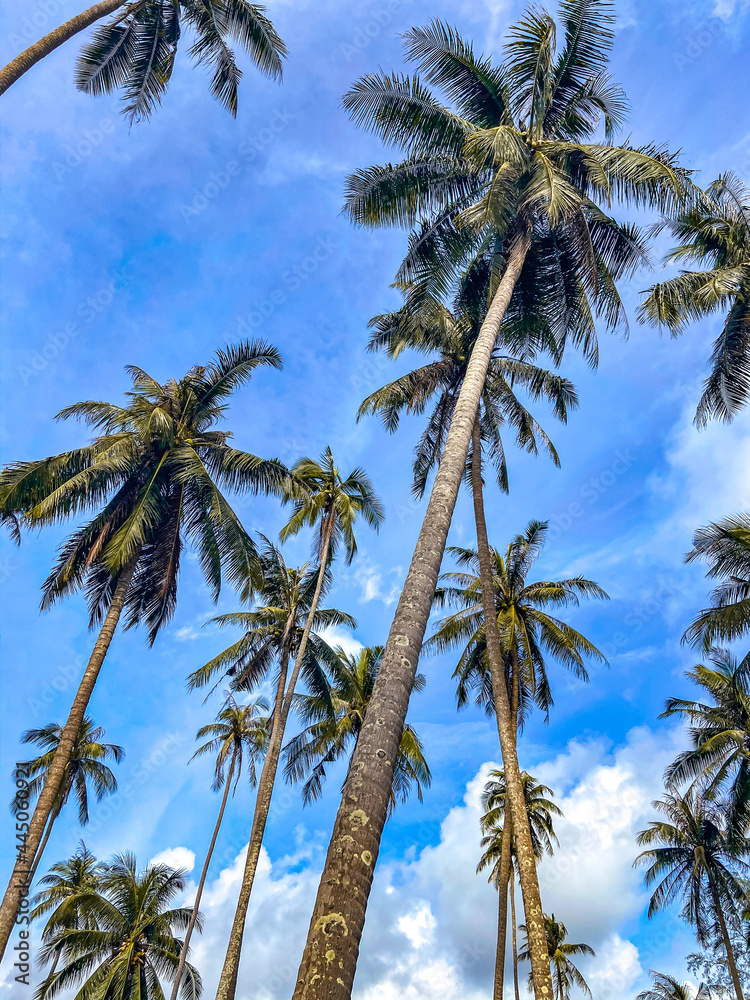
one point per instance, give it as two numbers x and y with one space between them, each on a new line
502 923
329 960
196 902
18 885
515 801
514 925
31 56
726 939
43 844
228 981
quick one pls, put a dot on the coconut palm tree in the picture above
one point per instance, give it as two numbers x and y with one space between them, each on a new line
725 546
509 161
85 768
273 633
713 234
136 50
564 972
694 857
540 809
239 736
333 724
718 758
132 945
154 475
668 988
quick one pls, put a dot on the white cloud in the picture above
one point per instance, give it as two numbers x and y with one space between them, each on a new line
369 577
177 857
337 636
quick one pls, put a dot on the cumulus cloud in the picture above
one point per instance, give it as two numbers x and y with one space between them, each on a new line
176 857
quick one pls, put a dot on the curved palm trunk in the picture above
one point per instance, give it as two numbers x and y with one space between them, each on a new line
228 980
506 726
20 878
726 939
31 56
329 961
196 902
514 925
43 844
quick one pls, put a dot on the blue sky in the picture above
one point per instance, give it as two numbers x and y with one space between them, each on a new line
157 244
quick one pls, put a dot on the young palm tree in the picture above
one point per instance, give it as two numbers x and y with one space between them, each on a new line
127 943
238 735
85 767
136 50
694 857
540 809
273 632
719 734
725 546
564 972
668 988
154 476
714 234
511 165
333 725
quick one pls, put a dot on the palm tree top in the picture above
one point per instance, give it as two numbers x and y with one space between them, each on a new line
666 987
239 730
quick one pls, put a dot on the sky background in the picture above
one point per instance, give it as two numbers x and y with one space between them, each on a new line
142 246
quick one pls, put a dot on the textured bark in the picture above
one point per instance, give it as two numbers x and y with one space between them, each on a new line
204 873
503 881
228 981
31 56
515 801
514 926
53 782
726 939
329 960
43 844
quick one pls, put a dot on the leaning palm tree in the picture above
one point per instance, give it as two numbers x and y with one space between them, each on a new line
713 234
694 857
717 760
239 736
527 635
85 768
274 631
540 809
128 943
725 546
332 726
668 988
509 166
154 476
136 50
564 972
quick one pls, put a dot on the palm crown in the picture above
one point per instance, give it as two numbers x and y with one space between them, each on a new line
564 972
239 734
512 152
668 988
136 50
333 724
714 233
725 546
62 884
528 633
154 474
539 807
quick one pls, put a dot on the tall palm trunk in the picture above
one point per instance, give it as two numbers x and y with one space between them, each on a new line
726 939
204 873
329 960
502 922
507 725
31 56
19 881
228 981
514 925
43 844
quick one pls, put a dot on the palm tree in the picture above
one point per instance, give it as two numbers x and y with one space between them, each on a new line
333 725
132 943
154 475
540 809
273 632
85 767
697 858
510 166
136 50
564 972
527 634
714 234
719 734
725 546
668 988
237 733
